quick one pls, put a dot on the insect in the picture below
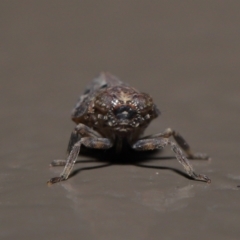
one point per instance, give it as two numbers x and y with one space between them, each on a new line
110 113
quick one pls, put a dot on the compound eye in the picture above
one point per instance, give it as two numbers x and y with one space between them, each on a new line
124 112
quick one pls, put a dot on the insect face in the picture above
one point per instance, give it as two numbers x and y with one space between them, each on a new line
124 109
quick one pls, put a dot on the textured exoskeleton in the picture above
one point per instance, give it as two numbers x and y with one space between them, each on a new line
110 113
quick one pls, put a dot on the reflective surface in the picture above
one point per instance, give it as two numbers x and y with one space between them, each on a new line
185 55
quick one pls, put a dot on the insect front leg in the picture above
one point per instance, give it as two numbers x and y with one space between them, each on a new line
160 143
92 141
74 138
79 131
69 164
181 142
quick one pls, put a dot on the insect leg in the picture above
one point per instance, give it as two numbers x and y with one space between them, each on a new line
75 137
147 144
86 131
69 164
188 168
181 142
161 142
97 143
79 131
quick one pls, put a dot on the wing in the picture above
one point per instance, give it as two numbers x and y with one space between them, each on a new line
102 81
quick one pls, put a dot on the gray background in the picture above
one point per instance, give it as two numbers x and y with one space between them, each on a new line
184 53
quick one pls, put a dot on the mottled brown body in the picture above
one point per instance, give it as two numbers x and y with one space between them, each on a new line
110 112
114 109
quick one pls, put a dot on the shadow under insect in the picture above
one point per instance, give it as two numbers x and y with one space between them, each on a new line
127 156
